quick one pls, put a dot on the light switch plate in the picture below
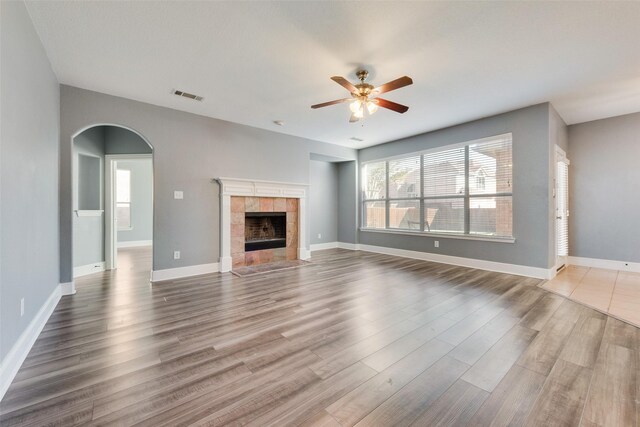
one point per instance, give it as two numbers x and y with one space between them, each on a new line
178 195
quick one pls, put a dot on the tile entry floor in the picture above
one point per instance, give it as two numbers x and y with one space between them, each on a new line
616 293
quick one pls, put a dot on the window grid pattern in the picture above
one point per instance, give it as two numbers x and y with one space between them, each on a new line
465 190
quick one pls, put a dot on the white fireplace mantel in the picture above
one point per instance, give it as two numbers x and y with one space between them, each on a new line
253 188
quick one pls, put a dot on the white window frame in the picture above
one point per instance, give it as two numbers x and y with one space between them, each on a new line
466 235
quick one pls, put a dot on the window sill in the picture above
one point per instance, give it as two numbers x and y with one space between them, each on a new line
80 212
440 235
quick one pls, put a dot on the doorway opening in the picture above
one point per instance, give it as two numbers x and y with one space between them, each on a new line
562 208
112 199
129 205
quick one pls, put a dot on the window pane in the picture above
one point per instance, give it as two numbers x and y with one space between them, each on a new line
123 214
123 186
404 178
490 167
374 215
491 216
404 214
444 215
444 173
373 180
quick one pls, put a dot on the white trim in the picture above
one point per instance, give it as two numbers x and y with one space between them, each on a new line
80 212
256 188
500 267
440 235
180 272
83 270
349 246
135 243
304 253
322 246
13 360
68 288
605 263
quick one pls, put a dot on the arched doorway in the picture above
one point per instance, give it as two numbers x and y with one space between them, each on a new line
112 196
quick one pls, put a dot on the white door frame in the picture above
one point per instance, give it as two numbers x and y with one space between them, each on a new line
560 157
110 219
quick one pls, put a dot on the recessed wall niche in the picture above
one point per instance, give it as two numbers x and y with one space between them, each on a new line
89 188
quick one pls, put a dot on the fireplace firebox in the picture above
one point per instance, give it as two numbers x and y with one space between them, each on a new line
265 230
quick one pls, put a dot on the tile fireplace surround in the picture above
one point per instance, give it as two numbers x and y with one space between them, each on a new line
238 196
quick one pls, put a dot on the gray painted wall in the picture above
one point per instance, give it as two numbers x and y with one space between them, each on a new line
28 174
604 189
531 188
348 202
88 231
323 201
123 141
189 150
141 200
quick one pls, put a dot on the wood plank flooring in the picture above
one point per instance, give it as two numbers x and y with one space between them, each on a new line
354 338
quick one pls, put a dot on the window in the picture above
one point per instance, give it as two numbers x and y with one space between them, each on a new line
466 190
123 199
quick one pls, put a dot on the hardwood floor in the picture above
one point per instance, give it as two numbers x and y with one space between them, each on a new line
354 338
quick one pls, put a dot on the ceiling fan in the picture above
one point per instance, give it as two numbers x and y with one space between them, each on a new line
364 96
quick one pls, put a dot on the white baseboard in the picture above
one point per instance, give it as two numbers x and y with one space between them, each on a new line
68 288
350 246
500 267
13 360
304 253
135 243
180 272
605 263
83 270
322 246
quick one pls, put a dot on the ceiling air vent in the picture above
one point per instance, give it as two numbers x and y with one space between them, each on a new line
353 138
187 95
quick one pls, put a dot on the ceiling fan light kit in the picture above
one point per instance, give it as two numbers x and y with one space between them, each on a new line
360 100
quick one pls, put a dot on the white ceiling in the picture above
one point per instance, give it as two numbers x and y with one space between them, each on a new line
255 62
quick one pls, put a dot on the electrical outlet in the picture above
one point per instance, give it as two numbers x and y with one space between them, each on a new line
319 235
21 307
178 195
176 254
436 243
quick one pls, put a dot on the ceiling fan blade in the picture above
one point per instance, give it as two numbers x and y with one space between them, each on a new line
394 84
398 108
353 118
344 83
326 104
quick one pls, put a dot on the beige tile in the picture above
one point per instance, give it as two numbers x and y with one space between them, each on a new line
238 260
237 204
292 205
599 298
597 276
625 302
266 204
252 204
563 288
237 230
237 244
279 205
237 217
